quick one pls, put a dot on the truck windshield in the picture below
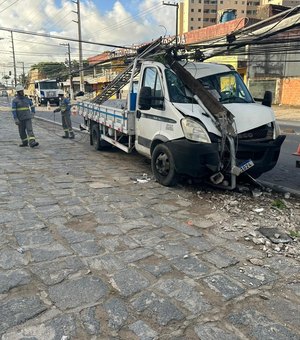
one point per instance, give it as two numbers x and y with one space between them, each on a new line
176 88
45 85
227 87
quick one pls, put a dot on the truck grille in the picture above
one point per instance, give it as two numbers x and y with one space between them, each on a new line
260 133
50 94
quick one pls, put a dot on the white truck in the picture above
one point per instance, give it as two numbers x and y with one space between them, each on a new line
190 118
198 120
46 90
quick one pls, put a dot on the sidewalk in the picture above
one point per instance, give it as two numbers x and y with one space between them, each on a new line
286 112
89 252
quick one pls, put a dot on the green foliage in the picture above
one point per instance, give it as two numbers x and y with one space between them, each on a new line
295 233
278 203
52 70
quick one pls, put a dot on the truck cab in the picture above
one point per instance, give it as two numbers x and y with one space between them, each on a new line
46 91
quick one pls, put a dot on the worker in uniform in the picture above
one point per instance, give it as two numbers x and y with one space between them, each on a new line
23 111
65 109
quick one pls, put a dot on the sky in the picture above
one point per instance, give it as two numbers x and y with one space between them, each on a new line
116 22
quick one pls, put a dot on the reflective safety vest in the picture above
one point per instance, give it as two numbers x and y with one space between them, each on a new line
22 108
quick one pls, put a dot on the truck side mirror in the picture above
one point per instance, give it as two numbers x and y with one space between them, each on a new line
145 98
267 101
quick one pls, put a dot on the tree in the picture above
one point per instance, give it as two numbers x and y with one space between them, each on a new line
52 70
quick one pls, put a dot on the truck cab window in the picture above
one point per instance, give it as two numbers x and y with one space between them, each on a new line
176 88
152 80
227 87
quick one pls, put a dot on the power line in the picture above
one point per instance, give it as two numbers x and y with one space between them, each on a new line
47 35
8 6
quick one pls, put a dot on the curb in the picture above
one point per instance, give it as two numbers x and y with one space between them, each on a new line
280 188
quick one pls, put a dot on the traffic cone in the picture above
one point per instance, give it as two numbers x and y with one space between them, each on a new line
297 153
48 106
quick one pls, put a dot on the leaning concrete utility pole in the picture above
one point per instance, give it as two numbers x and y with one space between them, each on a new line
77 2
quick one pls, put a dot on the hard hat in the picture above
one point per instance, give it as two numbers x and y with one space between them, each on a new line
60 92
19 88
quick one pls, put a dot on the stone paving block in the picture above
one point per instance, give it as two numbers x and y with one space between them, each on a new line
251 276
107 262
257 326
242 251
108 230
10 259
191 266
148 237
186 292
185 228
220 258
104 218
54 272
8 216
134 255
139 213
48 211
224 286
16 311
74 236
283 266
77 293
29 224
143 331
90 321
13 278
199 244
49 252
76 211
294 287
29 239
285 310
117 312
134 224
161 309
211 332
129 281
171 250
87 248
157 270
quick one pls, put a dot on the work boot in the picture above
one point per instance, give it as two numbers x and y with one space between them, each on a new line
72 136
23 144
66 135
33 144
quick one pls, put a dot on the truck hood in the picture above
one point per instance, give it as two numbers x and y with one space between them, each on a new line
247 116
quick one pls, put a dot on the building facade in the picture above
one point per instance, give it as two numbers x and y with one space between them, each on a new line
196 14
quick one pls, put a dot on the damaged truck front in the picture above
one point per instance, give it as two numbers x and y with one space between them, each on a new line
200 120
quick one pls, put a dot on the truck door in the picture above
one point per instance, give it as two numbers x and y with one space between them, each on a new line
149 110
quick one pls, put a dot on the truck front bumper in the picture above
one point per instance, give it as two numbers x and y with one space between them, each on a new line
202 159
193 158
263 154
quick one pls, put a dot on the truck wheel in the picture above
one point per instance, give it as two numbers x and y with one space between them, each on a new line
96 139
163 165
95 134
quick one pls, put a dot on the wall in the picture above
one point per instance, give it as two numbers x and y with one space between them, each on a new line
290 91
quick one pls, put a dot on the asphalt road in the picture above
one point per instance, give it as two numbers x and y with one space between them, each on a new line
284 176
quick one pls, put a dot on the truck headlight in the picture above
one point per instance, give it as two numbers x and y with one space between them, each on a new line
194 131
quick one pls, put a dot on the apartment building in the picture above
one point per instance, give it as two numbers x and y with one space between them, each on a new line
287 3
195 14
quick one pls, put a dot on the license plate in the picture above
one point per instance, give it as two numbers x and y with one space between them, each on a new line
246 165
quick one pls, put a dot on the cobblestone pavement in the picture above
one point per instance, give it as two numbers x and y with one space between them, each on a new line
87 251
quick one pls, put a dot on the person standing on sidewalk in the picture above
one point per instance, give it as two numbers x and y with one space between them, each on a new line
65 109
23 111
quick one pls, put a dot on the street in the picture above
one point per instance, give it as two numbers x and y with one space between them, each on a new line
91 248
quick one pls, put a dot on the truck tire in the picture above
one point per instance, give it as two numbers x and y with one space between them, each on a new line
96 140
163 165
